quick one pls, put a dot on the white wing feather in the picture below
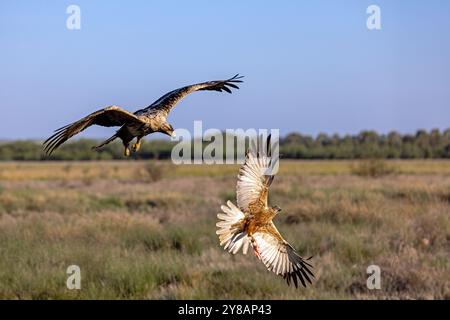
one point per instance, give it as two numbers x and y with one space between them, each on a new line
279 257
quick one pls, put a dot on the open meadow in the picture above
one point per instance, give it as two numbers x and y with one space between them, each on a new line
146 230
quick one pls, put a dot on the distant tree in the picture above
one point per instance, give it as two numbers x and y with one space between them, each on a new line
365 145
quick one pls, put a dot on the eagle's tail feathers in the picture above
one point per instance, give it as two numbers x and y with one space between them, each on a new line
104 143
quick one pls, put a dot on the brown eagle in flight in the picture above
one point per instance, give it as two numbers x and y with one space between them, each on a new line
138 124
250 222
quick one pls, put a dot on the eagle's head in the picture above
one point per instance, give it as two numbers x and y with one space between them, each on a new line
168 129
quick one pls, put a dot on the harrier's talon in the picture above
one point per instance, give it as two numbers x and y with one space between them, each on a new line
127 152
256 251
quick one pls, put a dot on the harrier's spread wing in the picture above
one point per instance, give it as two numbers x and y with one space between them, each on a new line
240 227
108 117
280 257
276 253
164 104
253 183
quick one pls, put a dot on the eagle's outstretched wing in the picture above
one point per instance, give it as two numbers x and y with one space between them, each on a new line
164 104
254 178
280 257
108 117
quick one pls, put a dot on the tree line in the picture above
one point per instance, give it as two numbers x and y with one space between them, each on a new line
434 144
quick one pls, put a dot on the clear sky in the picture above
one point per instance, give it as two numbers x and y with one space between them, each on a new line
309 66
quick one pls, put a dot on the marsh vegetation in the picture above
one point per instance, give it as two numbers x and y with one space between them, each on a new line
140 230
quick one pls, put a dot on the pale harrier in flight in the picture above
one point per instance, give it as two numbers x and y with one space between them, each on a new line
250 222
138 124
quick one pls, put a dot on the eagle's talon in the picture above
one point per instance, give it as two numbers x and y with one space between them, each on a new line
136 147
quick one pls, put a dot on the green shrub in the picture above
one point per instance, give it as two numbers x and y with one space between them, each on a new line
154 171
372 168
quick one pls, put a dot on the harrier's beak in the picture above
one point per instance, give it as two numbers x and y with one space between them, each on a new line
278 209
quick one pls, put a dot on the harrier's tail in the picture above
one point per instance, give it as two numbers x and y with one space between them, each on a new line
104 143
230 229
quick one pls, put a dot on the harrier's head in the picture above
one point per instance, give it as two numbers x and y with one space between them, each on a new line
276 209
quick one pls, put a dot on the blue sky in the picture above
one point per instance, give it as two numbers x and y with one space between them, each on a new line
309 66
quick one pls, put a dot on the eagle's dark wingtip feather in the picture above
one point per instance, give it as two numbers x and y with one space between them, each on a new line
64 127
232 85
48 145
54 142
55 145
56 132
226 89
236 78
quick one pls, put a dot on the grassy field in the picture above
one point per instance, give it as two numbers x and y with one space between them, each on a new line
147 230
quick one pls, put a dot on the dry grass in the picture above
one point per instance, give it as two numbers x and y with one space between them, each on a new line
154 237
